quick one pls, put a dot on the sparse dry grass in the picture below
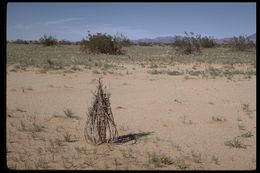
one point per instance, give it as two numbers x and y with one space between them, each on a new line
53 144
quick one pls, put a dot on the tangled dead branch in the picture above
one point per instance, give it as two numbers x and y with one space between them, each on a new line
100 126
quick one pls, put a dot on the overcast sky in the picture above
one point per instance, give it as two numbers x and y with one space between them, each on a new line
71 21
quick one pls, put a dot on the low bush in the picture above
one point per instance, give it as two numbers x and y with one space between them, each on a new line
241 43
103 43
48 40
188 44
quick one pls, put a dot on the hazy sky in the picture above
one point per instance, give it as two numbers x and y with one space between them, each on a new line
136 20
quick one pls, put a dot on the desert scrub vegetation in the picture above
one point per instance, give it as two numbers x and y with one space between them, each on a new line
196 156
246 109
188 44
65 55
180 163
169 72
159 160
31 125
235 143
104 44
68 113
241 43
247 134
207 42
48 40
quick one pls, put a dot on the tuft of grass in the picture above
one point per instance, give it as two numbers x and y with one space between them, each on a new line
67 137
246 109
36 127
235 143
213 72
247 134
68 113
241 127
219 119
196 157
180 164
41 164
55 147
159 160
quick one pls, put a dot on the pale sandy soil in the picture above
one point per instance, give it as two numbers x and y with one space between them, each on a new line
190 119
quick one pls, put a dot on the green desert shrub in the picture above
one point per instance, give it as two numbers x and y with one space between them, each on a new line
102 43
48 40
188 44
207 42
241 43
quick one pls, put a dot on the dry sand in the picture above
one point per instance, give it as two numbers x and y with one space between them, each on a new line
186 120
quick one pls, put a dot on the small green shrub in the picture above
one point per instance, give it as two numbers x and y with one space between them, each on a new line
48 40
207 42
236 143
159 160
188 44
67 137
69 113
241 43
102 44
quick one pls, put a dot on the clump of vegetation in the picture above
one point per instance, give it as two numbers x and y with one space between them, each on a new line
188 44
100 126
20 41
122 40
48 40
247 134
68 113
174 72
65 42
219 119
67 137
236 143
159 160
155 72
180 164
241 43
41 164
196 157
103 44
207 42
246 109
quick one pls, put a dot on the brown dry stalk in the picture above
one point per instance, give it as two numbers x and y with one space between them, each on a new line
100 126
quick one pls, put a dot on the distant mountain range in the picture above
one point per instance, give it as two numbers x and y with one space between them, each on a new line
170 39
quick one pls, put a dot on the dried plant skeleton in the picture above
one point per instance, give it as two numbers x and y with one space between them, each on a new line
100 126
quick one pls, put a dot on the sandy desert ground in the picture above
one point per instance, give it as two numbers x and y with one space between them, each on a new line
179 121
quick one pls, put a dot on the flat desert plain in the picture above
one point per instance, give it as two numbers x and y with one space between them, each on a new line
182 116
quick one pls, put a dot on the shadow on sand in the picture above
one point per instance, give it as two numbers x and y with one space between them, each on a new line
130 137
